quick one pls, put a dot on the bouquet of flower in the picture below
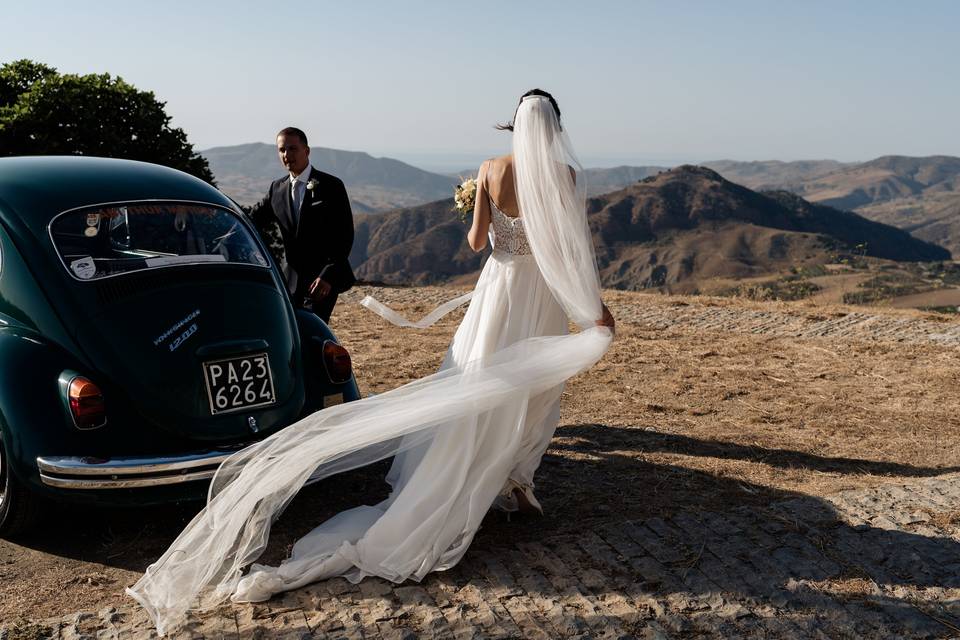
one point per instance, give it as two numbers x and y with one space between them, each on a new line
464 197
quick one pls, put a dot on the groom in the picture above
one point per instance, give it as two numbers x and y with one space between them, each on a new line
311 211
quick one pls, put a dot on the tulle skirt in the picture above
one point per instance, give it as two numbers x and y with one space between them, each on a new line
442 487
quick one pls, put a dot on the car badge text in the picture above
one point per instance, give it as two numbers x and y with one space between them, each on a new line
178 331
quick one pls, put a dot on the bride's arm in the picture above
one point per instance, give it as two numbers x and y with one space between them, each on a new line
477 236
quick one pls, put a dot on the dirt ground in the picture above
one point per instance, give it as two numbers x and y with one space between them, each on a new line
938 298
671 419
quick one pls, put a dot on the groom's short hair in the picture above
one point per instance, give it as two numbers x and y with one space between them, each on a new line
293 131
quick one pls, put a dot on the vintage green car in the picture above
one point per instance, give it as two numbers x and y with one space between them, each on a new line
145 334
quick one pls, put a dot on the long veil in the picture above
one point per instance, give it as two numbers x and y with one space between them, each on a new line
204 565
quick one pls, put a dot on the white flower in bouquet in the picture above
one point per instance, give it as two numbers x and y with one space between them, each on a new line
464 197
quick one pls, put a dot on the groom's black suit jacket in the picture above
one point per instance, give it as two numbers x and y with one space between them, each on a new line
323 237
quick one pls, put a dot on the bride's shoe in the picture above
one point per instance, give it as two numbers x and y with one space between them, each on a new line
526 501
518 498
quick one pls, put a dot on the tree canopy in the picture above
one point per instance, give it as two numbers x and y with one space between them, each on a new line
44 112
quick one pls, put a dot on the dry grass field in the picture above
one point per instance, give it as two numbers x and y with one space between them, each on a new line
687 407
679 415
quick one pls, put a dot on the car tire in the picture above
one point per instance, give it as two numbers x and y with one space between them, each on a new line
20 511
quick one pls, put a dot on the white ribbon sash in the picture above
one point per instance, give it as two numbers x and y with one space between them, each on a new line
393 317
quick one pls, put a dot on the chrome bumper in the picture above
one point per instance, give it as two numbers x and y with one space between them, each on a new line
126 473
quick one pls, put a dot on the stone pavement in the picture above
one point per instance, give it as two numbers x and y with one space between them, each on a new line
873 563
882 562
655 311
854 325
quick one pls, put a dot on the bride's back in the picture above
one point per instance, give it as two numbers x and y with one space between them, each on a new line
501 187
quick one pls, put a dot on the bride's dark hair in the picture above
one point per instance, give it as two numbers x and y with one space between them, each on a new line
532 92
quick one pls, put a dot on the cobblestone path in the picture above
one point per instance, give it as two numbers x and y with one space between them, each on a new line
661 312
838 325
876 563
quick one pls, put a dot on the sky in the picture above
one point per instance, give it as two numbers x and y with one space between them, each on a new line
638 82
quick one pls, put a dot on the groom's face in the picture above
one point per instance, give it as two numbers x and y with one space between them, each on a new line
294 155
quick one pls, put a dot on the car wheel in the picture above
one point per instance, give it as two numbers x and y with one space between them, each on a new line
19 510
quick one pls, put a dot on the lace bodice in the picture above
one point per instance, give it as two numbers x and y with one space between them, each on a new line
507 233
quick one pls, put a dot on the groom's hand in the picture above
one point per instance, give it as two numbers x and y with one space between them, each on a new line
319 290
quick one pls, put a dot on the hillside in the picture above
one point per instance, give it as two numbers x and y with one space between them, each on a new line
919 195
773 174
245 171
605 180
690 224
882 180
419 245
934 217
669 231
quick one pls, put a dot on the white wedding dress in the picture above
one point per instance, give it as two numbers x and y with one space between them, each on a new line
463 438
443 488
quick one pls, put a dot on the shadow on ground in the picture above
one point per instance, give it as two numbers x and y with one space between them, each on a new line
707 553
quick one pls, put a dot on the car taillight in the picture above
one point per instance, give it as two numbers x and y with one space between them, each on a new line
86 404
336 360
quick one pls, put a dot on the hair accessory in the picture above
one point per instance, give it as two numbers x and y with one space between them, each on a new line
525 98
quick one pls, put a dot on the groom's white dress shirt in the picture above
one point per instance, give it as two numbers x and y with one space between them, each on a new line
298 189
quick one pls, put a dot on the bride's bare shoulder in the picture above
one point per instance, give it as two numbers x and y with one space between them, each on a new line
496 168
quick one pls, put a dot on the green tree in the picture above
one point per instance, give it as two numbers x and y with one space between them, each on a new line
43 112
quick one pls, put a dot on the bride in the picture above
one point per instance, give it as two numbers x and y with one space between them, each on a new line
464 439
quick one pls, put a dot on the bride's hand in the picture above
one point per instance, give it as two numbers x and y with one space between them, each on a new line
606 320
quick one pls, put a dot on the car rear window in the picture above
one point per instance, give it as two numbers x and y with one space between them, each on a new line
112 240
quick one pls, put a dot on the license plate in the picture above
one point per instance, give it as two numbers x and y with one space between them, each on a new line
331 401
234 384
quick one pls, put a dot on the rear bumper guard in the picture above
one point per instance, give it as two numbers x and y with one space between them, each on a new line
126 473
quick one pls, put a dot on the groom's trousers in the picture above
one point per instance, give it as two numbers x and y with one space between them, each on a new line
324 308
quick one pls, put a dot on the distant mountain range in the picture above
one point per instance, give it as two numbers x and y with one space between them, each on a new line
245 171
669 230
774 174
919 195
600 181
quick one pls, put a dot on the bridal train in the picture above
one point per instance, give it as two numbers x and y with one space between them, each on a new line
462 438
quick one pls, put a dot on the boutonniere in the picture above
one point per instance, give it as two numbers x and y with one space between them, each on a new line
312 184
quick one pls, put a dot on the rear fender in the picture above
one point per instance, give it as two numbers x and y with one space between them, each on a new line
313 333
32 419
